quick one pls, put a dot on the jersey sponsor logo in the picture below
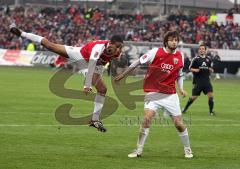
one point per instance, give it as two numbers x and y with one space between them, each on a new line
166 67
175 61
204 64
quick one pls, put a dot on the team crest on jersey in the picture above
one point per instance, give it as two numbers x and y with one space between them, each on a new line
175 61
204 64
96 54
144 57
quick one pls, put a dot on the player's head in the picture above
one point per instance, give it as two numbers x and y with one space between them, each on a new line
171 39
114 48
202 48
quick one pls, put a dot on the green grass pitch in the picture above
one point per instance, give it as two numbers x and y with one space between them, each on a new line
31 138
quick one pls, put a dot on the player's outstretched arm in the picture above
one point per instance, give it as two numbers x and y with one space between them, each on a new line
127 71
146 58
194 70
211 70
97 50
89 76
180 84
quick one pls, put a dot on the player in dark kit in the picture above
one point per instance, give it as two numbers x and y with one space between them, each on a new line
201 66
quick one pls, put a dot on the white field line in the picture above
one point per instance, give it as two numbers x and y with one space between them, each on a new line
132 117
115 125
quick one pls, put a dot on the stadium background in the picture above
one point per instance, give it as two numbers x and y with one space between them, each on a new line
31 137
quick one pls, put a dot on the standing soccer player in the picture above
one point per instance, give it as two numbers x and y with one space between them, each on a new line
91 58
164 68
201 66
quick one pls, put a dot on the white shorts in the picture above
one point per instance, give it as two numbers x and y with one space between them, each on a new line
168 102
77 60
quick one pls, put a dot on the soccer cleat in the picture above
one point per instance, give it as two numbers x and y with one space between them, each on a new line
188 153
212 113
15 30
98 125
135 154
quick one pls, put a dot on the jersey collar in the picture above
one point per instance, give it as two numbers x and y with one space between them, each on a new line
165 50
204 56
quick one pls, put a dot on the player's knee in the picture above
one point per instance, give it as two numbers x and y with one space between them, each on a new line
193 98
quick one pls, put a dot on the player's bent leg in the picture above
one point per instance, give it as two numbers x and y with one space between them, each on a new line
190 101
98 103
143 133
178 122
183 134
211 103
148 116
56 48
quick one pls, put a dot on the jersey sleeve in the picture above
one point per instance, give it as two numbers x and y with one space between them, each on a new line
149 56
211 63
97 50
193 63
180 79
182 54
180 73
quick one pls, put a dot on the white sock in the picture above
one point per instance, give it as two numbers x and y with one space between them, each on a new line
98 105
32 37
184 138
143 134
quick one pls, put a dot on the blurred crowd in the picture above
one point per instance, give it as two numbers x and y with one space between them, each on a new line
75 25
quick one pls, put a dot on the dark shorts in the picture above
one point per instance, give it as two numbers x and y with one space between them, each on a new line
198 88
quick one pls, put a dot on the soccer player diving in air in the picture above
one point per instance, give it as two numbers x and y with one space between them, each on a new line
91 59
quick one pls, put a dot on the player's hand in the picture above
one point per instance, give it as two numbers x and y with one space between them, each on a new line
183 93
118 78
196 70
87 90
211 70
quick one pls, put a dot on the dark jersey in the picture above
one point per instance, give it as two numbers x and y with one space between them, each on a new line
201 77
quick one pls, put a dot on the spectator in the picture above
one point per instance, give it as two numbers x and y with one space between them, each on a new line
72 23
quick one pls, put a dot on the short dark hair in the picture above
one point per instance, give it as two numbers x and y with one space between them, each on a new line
116 38
202 44
173 34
